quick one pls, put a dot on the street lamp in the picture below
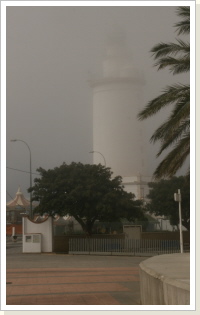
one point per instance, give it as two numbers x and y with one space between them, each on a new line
14 140
177 197
101 155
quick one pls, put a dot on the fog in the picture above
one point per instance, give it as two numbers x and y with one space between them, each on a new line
52 52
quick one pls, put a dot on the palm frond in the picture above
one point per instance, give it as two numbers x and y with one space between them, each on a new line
176 66
179 115
171 95
183 11
183 27
171 129
174 160
174 137
165 49
175 131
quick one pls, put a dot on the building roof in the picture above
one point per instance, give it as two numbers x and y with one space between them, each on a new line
19 200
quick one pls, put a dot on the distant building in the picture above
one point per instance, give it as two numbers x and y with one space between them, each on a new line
16 208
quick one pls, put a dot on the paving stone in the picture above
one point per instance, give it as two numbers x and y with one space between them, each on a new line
49 279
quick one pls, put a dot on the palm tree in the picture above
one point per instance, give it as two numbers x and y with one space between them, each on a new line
176 129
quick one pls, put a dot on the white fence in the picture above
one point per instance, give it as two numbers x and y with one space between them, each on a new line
133 247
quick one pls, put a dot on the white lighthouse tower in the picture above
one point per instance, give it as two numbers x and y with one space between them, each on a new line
117 133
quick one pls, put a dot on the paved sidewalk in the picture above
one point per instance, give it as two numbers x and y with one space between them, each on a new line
58 279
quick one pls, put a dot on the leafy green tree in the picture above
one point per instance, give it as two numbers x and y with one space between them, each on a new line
161 199
175 131
86 192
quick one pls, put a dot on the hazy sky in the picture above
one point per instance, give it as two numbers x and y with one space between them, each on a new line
51 54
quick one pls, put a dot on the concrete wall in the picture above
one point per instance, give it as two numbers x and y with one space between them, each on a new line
162 235
165 280
44 228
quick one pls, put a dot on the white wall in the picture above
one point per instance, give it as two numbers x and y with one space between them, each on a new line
44 228
117 133
117 100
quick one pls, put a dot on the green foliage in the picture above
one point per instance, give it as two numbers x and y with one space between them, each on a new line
175 132
162 202
86 192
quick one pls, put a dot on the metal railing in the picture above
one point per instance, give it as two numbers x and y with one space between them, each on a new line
133 247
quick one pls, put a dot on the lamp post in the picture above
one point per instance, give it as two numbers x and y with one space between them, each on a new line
14 140
177 197
101 155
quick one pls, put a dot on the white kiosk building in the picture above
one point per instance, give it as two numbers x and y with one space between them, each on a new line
117 133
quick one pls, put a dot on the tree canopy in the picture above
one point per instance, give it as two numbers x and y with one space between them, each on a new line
161 199
86 192
175 131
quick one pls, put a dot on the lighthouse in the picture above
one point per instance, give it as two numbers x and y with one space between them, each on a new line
117 133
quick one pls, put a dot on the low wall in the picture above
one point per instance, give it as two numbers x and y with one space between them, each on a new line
61 244
162 235
165 280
